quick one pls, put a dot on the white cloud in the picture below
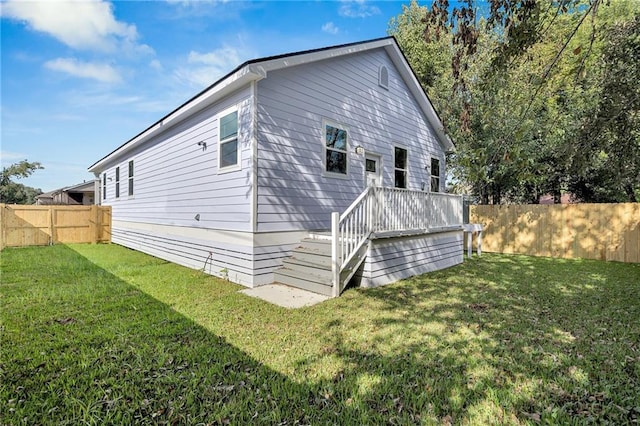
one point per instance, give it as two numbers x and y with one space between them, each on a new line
86 25
8 156
156 65
206 68
101 72
330 28
357 9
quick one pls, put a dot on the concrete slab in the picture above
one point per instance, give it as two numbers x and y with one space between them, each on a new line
285 296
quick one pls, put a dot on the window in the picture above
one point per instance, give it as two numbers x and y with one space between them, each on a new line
383 77
131 178
104 186
435 175
228 147
335 139
400 167
117 182
370 165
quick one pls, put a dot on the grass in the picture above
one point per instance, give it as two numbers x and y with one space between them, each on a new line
98 334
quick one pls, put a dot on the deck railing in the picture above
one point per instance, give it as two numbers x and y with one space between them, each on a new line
379 210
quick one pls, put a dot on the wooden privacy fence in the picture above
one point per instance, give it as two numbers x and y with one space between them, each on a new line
589 231
43 225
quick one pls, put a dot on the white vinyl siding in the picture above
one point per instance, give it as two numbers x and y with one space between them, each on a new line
176 178
293 105
391 259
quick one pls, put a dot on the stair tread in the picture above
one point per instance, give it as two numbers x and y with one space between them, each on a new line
312 250
303 262
323 280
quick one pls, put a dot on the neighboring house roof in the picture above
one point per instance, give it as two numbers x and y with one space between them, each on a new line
80 187
565 198
258 69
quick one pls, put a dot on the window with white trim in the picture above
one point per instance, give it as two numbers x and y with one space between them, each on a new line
335 146
401 166
104 186
228 145
130 178
435 175
117 182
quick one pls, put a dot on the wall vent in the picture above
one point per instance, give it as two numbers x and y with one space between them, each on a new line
383 77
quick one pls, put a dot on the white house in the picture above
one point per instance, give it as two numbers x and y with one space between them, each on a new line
304 169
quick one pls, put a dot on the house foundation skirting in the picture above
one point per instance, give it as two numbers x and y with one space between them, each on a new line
391 259
244 258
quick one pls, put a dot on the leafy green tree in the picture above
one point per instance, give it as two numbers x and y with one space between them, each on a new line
609 166
522 86
17 193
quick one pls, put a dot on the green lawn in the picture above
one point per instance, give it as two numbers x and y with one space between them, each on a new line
99 334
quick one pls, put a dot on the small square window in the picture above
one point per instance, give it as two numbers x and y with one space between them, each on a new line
370 165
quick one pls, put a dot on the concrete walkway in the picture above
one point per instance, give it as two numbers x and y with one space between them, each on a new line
285 296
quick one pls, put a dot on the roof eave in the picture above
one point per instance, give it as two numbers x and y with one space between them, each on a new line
234 81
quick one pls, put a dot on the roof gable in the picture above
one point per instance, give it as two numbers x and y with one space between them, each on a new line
257 69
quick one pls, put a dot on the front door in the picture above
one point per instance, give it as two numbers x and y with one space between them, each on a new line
372 170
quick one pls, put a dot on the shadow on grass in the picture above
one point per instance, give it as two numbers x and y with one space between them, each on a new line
80 345
504 339
497 340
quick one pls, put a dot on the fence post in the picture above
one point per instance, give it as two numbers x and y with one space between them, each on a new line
94 226
3 225
52 238
335 261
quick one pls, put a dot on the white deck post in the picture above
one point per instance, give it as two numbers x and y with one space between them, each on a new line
335 261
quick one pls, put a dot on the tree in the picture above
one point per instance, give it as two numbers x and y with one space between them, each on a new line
524 81
610 139
17 193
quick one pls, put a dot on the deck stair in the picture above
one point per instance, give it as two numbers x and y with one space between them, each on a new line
309 266
324 262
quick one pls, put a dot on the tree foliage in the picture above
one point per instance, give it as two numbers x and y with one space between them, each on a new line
527 94
16 193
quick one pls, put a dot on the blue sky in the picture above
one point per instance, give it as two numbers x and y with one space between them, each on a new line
81 78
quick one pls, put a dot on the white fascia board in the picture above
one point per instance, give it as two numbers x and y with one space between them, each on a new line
423 101
232 83
264 67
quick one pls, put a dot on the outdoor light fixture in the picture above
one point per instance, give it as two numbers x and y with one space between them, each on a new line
203 144
359 149
197 217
